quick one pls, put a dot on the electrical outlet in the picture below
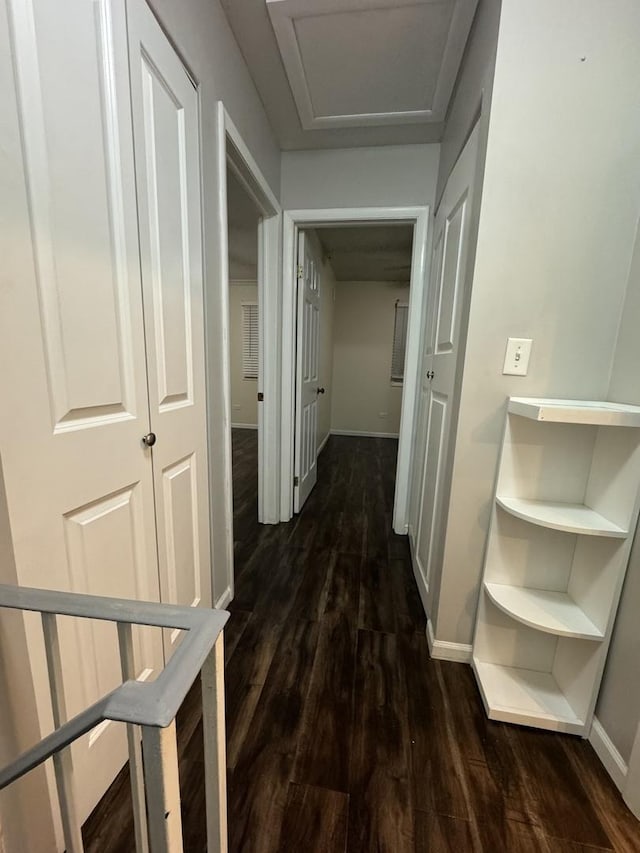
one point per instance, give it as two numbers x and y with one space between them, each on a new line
516 359
236 407
383 414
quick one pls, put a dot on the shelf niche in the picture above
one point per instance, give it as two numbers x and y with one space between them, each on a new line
566 501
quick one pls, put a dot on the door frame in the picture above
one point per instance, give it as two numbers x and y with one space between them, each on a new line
232 151
293 221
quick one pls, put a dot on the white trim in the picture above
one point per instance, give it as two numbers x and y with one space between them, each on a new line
443 650
239 159
291 220
606 751
423 586
631 793
225 599
321 447
363 433
244 426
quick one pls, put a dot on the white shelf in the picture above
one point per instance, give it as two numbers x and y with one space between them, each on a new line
525 696
568 517
548 611
576 411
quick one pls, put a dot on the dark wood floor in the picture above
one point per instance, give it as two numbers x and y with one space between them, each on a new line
342 734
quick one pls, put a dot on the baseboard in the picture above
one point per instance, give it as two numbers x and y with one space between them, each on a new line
606 751
442 650
323 443
364 434
224 599
244 426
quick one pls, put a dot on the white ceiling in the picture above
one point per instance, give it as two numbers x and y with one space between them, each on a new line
368 252
343 73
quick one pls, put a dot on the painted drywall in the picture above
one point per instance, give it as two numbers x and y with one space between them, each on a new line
364 315
201 32
558 213
618 708
396 175
244 392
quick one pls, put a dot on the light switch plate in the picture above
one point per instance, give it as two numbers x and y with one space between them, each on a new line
516 359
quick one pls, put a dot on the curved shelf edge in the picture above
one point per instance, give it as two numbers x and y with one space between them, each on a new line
544 610
566 517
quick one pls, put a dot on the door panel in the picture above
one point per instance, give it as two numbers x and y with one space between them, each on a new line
308 360
167 155
79 482
79 226
442 342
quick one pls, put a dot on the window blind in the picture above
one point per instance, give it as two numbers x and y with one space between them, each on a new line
399 342
250 340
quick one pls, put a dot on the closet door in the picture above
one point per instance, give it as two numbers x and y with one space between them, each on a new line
73 382
166 134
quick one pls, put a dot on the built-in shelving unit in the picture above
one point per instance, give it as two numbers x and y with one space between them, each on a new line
565 509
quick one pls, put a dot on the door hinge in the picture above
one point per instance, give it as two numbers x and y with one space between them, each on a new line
260 397
300 272
296 481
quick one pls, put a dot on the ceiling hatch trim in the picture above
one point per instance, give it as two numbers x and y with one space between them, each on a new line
359 63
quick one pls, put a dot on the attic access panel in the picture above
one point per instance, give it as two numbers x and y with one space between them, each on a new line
356 63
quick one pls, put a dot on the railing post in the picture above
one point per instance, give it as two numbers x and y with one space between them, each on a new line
215 754
160 754
61 760
136 773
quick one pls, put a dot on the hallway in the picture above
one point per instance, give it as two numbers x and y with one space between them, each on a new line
342 733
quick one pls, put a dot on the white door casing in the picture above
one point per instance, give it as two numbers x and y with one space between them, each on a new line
307 355
440 353
78 479
167 157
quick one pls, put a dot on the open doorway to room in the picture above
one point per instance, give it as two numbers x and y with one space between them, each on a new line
353 305
243 218
354 357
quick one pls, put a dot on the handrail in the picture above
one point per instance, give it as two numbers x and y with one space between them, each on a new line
152 704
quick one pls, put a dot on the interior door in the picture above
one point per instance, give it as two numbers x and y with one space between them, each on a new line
442 340
73 380
307 390
167 156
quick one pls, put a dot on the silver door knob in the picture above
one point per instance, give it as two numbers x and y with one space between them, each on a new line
149 439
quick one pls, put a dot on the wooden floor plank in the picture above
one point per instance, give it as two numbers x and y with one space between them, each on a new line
315 820
325 739
380 806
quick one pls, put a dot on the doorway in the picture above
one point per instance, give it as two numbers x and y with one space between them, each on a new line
234 157
295 223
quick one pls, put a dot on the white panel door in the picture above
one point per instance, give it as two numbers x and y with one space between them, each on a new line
167 155
73 379
308 352
442 339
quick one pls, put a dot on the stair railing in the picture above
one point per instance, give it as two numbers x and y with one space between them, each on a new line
152 706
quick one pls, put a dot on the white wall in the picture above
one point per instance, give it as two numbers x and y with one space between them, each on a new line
558 213
244 392
364 315
618 708
402 175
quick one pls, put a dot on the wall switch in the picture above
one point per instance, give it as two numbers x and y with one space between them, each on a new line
516 359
